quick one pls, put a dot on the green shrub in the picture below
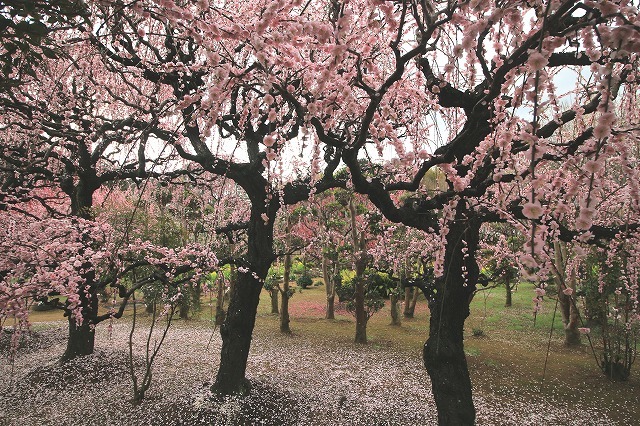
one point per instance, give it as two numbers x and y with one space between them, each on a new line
298 268
380 283
305 280
271 281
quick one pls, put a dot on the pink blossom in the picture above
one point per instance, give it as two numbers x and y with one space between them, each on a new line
607 119
568 291
601 132
537 61
584 330
594 166
585 219
532 210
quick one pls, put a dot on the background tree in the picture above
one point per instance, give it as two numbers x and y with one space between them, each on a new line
65 137
501 247
213 85
329 220
51 261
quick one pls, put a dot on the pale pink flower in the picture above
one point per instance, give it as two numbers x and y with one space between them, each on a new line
585 220
584 330
527 260
601 132
607 119
594 166
568 291
607 7
532 210
537 61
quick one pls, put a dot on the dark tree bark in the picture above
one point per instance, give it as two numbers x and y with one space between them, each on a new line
331 309
410 300
359 244
237 329
81 339
443 352
184 308
408 294
236 334
330 288
273 294
361 315
284 312
395 310
509 299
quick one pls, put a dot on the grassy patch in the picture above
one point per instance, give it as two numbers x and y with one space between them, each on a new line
509 357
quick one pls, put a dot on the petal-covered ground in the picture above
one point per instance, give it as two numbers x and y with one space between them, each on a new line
295 381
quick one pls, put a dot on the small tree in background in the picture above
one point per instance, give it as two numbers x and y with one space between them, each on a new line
501 247
611 303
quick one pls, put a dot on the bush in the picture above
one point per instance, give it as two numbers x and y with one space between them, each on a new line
305 280
298 268
344 288
380 283
41 306
477 332
271 281
376 285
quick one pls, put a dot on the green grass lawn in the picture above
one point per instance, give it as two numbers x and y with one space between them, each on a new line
510 357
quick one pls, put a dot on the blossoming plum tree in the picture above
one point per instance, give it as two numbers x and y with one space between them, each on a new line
225 114
471 88
69 129
491 84
66 262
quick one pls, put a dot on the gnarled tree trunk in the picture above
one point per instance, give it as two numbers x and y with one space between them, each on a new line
443 352
237 329
81 339
236 332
